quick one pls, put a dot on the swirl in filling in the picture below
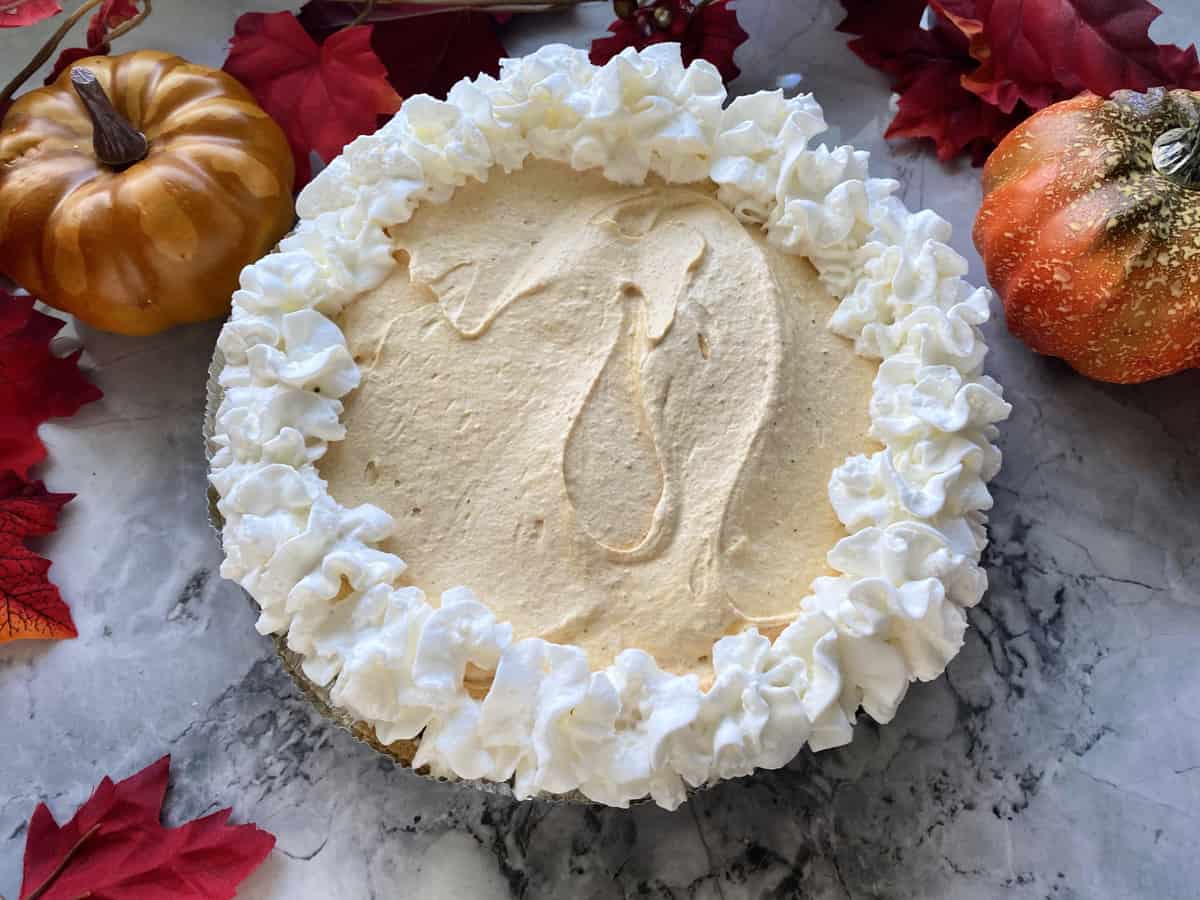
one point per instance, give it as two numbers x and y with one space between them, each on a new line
610 411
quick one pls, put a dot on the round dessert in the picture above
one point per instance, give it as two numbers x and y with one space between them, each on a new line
592 435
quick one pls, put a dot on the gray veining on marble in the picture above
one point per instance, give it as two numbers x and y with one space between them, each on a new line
1059 757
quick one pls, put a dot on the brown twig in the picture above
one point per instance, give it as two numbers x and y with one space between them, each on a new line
48 48
41 889
130 24
364 14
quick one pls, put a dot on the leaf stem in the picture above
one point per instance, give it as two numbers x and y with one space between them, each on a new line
41 889
130 24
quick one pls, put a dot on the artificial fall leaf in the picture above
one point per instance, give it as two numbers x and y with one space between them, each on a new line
35 385
30 606
424 52
111 14
27 509
926 66
936 106
15 13
710 31
322 95
889 37
1048 50
115 847
1012 56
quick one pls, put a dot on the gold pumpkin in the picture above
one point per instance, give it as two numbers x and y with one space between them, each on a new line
136 187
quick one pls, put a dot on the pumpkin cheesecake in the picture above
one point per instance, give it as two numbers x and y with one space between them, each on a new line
611 410
601 437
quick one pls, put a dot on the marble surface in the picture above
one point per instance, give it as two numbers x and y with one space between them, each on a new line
1058 758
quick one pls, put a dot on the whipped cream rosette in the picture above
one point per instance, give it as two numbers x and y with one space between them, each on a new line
448 680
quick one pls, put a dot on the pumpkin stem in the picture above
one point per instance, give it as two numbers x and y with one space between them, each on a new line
117 143
1176 153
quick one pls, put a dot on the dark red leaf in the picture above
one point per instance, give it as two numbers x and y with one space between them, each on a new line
1045 51
891 39
115 847
936 106
323 96
15 13
30 606
1013 55
430 54
34 384
926 66
425 51
27 509
710 32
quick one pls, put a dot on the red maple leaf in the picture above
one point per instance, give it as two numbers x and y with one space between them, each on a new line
322 95
110 14
34 384
710 32
936 106
15 13
115 847
926 66
27 509
30 606
985 65
890 38
425 52
1045 51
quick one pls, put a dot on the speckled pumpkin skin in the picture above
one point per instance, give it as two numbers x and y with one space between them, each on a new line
1095 254
162 242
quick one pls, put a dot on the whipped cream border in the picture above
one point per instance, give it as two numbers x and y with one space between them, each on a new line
915 510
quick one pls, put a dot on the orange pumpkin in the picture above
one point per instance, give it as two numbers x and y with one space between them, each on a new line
136 187
1090 231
